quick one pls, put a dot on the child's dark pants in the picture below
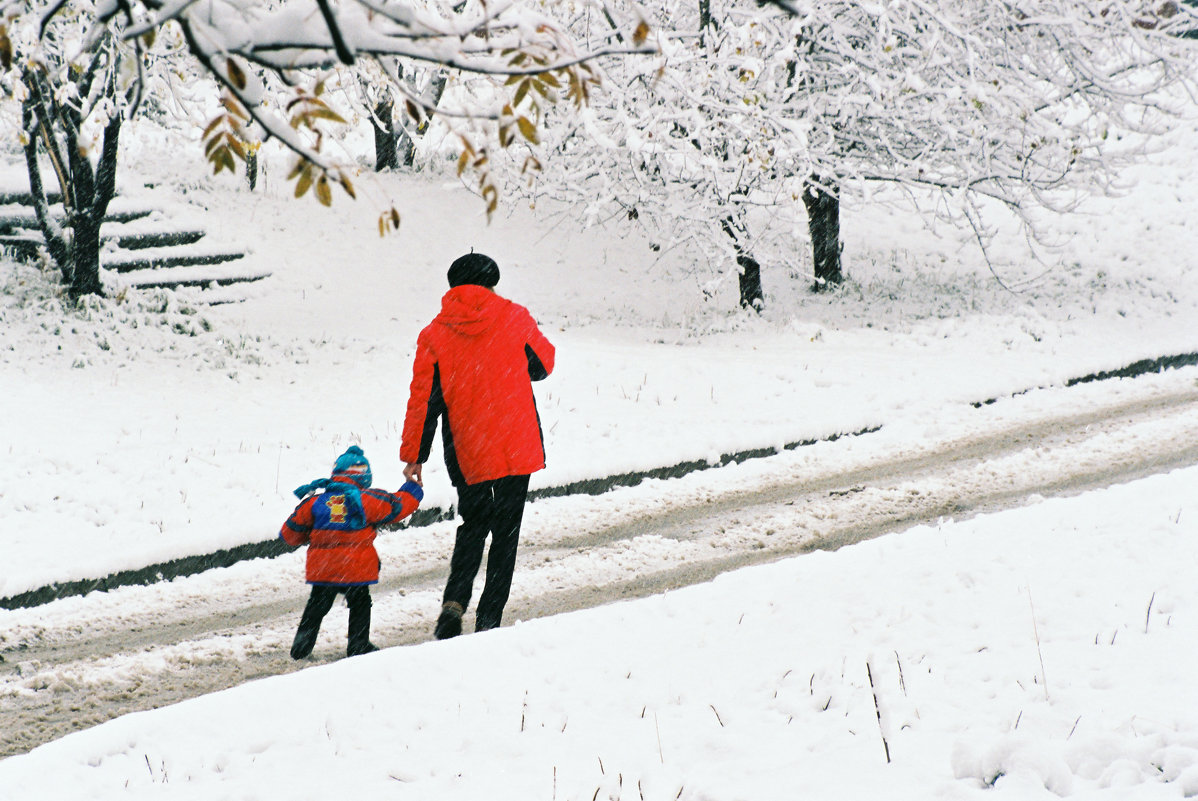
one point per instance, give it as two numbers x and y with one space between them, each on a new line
357 598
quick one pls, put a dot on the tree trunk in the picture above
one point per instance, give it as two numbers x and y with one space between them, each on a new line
386 141
823 221
251 168
85 192
407 148
93 192
405 145
432 96
85 277
57 243
705 21
751 294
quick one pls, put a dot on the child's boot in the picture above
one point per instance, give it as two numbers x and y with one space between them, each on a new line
305 639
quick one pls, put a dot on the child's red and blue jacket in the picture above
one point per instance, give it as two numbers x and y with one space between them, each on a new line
341 553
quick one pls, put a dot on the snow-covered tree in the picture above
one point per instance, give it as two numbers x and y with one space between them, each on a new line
395 134
269 57
755 121
79 65
71 97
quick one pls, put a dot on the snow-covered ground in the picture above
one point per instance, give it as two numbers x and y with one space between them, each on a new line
1045 650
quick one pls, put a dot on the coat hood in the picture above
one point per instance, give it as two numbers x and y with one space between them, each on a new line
470 310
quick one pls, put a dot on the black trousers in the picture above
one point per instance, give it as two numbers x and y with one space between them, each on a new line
357 598
495 508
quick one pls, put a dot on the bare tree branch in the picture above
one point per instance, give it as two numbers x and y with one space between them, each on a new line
339 45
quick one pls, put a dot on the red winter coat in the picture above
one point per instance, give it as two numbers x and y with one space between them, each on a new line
338 552
474 364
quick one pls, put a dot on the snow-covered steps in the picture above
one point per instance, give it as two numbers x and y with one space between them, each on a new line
162 258
154 239
20 197
20 218
144 242
24 243
204 276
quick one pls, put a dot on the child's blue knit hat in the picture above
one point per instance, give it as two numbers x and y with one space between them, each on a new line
353 464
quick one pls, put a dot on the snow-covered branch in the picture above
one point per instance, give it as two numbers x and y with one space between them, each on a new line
266 54
1034 103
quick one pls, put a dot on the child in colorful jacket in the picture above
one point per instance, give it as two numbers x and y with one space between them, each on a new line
338 524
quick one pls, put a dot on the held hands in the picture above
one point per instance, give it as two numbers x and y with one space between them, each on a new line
412 472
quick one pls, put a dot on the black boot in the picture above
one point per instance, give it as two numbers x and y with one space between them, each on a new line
304 640
449 624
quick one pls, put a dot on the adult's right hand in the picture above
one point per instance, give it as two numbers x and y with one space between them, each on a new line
412 472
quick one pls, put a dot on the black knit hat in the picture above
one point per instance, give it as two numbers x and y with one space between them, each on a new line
474 268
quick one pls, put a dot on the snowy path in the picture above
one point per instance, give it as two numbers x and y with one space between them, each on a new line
80 661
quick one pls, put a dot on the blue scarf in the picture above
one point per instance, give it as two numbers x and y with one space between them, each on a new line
353 497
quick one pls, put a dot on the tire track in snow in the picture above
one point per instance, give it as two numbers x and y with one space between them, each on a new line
954 455
956 480
70 667
190 565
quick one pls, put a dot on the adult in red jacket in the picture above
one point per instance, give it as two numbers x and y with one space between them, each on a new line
339 524
474 366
